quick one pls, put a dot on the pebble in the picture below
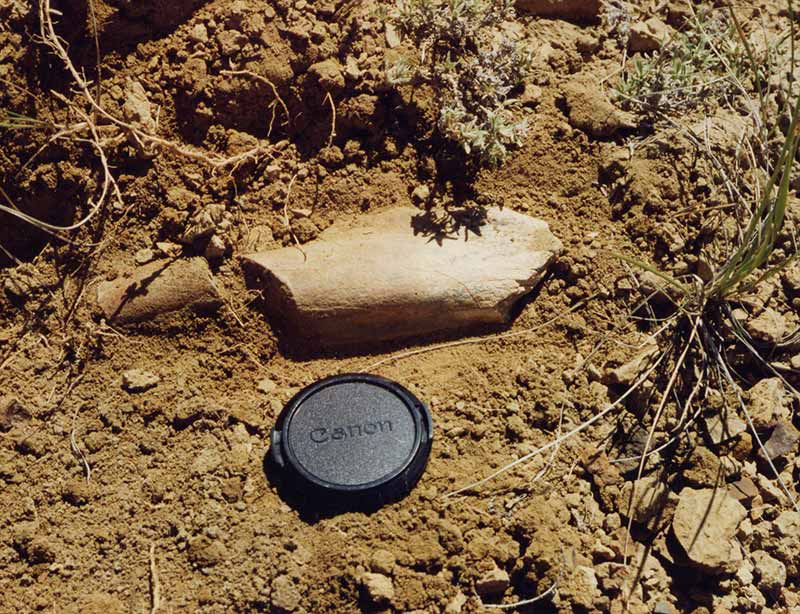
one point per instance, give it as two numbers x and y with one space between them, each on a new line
704 524
723 427
421 194
13 412
455 604
379 588
267 386
492 583
781 442
771 573
768 402
285 596
382 562
144 255
648 35
139 380
769 326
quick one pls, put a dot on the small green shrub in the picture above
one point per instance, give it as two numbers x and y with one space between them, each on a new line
704 61
471 74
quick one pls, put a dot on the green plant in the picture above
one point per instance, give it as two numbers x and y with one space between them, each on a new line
15 121
472 77
704 61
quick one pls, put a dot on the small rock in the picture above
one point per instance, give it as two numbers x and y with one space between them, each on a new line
648 35
455 605
136 107
723 427
782 442
421 194
770 572
493 583
627 374
139 380
531 95
768 403
379 588
168 249
705 523
206 552
13 412
664 607
259 238
144 255
329 75
743 490
199 33
267 386
589 110
215 248
382 562
769 326
285 597
745 573
159 287
791 278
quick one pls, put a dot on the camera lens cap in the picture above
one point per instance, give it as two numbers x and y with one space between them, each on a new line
355 437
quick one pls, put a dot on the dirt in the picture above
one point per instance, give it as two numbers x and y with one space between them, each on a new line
121 498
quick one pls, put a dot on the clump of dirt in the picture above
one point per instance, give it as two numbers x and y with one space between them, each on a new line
132 458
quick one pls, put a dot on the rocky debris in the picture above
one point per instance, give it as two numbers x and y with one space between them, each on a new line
352 285
627 374
144 255
378 588
791 278
648 35
743 490
267 386
770 572
204 551
782 441
13 412
139 380
768 403
589 110
705 523
651 501
285 597
455 605
421 194
769 326
493 583
722 427
136 108
160 287
382 562
210 221
580 589
707 469
573 10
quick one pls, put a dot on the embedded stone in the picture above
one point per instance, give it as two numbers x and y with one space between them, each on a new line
391 276
159 287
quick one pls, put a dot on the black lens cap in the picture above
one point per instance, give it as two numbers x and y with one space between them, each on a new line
355 437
